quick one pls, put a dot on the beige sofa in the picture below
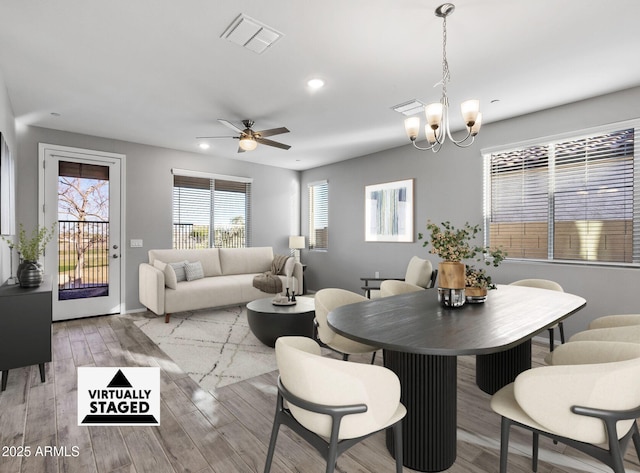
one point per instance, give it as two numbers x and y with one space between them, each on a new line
226 278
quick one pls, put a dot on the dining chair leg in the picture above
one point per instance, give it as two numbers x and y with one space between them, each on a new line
397 437
272 442
534 453
561 327
345 357
636 438
373 357
504 443
552 340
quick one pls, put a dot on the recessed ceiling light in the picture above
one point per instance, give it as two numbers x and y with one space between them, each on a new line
204 145
315 83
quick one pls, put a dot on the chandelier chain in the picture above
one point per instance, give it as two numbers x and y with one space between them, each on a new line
445 64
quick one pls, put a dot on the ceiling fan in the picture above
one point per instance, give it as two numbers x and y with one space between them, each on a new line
249 138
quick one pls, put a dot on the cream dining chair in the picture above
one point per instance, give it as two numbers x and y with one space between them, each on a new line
333 404
552 286
327 300
619 320
589 399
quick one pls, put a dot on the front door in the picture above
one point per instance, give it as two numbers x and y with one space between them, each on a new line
81 194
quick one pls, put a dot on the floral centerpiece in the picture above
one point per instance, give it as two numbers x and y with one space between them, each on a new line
454 245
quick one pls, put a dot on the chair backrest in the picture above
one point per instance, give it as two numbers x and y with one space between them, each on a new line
419 272
391 287
548 393
629 334
332 382
325 301
539 283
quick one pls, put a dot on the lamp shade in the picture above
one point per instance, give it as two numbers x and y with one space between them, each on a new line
247 143
296 242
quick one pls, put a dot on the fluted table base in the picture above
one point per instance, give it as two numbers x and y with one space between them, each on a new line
428 384
496 370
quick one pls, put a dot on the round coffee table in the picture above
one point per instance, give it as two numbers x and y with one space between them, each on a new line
268 321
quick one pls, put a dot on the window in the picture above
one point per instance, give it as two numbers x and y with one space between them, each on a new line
569 199
203 201
319 216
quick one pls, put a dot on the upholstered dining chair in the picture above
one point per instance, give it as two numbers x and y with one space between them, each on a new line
589 399
327 300
618 320
333 404
630 333
552 286
393 287
419 272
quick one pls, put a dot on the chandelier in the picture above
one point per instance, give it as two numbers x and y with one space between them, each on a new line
437 127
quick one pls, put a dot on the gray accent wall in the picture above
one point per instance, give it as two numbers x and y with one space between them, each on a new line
449 186
148 194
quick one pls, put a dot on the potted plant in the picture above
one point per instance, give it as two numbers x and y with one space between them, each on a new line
30 249
454 245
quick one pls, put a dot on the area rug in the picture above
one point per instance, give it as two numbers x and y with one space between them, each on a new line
213 346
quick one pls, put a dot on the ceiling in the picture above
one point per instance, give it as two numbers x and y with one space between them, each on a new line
158 72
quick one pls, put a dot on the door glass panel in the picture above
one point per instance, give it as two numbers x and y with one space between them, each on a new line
83 224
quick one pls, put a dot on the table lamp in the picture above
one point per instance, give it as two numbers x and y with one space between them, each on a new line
296 243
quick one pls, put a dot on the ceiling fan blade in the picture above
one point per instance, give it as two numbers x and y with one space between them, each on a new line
240 150
272 143
213 137
272 131
227 123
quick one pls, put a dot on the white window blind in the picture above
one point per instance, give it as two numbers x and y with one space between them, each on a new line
319 215
570 199
202 203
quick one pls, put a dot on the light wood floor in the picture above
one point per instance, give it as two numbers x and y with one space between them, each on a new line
223 432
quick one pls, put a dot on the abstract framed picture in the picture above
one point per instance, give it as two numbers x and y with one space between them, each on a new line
389 211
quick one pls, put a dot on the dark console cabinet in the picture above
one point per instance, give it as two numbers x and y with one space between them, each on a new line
25 327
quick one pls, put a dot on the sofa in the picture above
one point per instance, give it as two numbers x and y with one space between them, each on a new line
213 277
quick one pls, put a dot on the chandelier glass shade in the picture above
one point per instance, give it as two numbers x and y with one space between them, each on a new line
437 128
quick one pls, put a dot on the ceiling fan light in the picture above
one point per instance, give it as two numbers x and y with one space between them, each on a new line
247 143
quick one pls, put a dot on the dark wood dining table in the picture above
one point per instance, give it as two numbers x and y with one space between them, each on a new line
421 340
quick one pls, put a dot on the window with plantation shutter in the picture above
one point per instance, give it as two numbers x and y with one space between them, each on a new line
210 211
567 199
319 215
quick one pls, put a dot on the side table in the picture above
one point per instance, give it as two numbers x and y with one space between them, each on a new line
25 327
268 321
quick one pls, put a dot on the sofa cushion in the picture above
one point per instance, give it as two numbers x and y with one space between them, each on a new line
170 279
178 269
245 260
193 271
208 257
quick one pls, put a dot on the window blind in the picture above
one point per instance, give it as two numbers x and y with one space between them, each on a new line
201 204
319 215
573 199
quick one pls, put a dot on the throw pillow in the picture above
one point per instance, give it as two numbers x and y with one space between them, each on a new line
179 270
194 271
169 274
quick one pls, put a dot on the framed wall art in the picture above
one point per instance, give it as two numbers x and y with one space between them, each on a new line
389 211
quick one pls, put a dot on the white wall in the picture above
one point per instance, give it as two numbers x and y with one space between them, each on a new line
449 186
7 127
148 199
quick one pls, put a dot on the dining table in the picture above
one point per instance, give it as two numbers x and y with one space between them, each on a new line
421 340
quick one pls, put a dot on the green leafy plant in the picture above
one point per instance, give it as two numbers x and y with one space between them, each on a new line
456 244
32 247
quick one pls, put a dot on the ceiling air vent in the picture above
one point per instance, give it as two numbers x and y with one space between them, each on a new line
251 34
409 108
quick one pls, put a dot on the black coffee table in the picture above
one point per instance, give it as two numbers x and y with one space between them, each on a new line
268 321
